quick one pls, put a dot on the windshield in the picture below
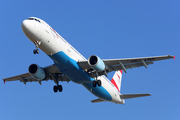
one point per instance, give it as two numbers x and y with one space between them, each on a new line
34 19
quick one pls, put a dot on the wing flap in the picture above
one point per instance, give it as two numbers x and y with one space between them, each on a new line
128 96
129 66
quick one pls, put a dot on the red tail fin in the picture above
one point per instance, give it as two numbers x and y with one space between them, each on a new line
116 80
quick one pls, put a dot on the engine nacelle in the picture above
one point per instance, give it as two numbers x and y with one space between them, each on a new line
37 72
96 63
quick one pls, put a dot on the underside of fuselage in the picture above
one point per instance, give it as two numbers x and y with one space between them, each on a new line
71 69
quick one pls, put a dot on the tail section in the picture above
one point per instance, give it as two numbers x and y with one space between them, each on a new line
116 80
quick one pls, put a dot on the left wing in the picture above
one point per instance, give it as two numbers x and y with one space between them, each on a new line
122 64
52 73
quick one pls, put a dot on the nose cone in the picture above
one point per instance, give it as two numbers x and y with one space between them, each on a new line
25 26
29 29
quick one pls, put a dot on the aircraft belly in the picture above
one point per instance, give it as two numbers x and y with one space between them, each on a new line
73 71
70 68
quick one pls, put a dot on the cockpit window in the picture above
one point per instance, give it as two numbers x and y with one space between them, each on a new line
34 19
30 18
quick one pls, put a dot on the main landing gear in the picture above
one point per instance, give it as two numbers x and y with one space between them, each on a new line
36 51
57 88
96 82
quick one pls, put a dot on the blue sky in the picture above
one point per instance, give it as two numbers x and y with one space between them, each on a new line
109 29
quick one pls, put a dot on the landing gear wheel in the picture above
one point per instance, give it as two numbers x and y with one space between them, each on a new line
94 83
55 88
36 51
37 43
60 88
99 83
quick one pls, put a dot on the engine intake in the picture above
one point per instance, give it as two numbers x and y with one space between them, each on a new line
37 72
96 63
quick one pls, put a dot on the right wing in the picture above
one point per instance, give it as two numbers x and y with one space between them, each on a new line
122 64
51 71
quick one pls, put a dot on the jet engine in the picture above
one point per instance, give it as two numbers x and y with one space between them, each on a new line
37 72
96 63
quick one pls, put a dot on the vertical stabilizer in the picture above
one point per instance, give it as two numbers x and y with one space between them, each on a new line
116 80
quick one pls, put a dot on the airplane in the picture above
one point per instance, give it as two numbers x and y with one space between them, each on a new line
70 65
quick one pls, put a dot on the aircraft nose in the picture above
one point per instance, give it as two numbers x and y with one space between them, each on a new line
25 26
30 30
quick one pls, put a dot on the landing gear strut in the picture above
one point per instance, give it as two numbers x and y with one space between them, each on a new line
96 81
57 87
36 51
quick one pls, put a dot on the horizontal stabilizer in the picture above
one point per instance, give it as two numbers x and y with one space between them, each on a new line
97 100
128 96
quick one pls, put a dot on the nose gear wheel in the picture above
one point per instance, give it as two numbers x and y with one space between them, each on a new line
36 51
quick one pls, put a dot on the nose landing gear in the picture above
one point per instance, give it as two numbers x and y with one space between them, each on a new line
36 51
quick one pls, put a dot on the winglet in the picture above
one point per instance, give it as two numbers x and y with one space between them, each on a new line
174 57
4 81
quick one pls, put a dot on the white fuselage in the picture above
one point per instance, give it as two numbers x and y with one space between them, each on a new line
66 58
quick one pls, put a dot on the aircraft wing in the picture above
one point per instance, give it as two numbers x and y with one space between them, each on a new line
52 72
122 64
